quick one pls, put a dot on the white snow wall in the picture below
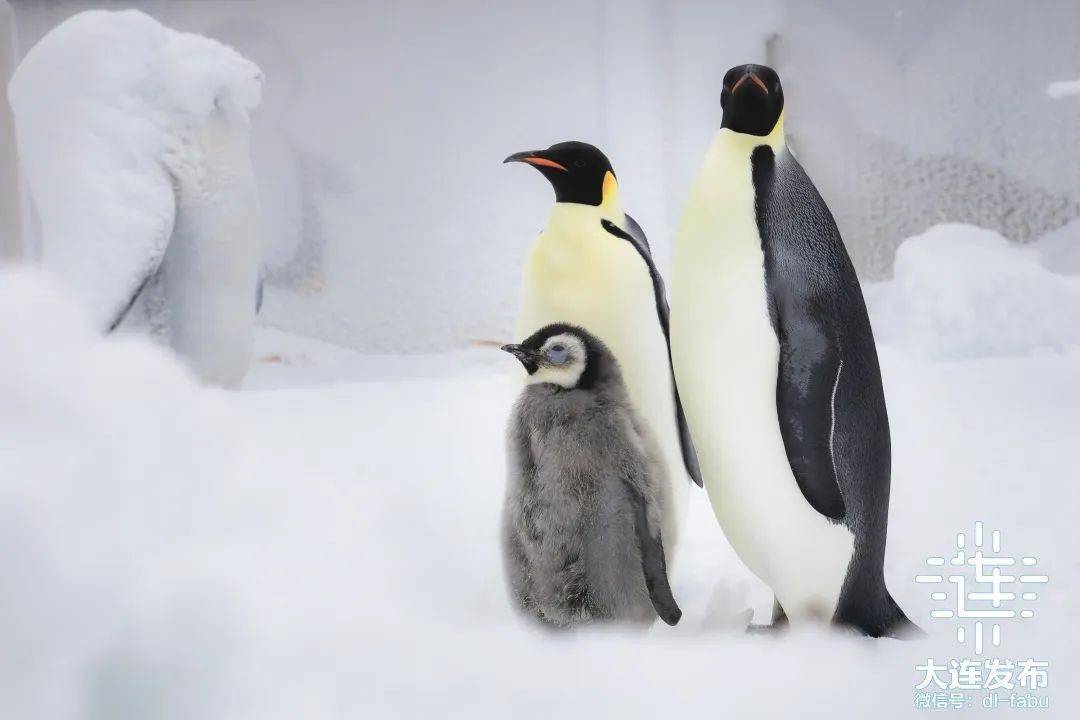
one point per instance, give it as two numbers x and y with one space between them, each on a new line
10 192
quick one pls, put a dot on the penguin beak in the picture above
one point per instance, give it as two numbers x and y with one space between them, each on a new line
753 79
528 358
535 158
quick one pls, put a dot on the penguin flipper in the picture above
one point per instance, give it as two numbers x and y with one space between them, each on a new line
636 237
809 374
796 229
689 454
653 563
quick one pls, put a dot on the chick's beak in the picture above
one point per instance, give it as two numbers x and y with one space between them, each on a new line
521 353
535 158
525 356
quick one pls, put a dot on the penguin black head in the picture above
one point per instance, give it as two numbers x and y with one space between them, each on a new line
578 171
564 355
752 99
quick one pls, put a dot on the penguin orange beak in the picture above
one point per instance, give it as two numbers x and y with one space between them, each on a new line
536 158
752 78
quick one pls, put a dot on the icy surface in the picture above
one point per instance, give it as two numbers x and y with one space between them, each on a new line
324 543
961 292
104 105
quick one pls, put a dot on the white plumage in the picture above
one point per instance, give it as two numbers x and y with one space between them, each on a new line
726 358
579 273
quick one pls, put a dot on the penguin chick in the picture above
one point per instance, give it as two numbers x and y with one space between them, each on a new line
581 522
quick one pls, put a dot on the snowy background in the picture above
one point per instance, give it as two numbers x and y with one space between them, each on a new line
323 543
392 226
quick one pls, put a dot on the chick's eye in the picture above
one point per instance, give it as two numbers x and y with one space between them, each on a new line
557 354
579 163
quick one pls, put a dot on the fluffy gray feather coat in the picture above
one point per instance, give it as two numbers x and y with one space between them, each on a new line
581 524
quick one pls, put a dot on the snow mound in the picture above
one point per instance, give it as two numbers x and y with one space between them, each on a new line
103 104
961 292
1063 88
167 565
112 459
1060 249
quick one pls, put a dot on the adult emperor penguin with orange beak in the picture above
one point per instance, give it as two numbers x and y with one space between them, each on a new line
592 267
775 358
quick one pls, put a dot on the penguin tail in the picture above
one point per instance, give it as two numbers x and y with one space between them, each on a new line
897 624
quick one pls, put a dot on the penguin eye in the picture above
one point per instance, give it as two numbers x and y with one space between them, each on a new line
557 354
579 163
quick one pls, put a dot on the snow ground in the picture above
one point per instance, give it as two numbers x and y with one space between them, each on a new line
324 542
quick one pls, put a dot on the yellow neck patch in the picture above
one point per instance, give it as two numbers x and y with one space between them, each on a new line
610 194
747 143
776 137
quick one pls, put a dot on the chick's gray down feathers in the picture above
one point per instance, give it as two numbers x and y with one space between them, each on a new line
581 525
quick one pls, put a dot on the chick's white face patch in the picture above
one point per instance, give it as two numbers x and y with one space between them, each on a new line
562 361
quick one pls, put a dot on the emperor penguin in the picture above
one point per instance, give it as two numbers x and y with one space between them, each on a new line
773 350
582 540
592 266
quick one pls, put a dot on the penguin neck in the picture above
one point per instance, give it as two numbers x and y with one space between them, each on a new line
567 215
721 209
727 141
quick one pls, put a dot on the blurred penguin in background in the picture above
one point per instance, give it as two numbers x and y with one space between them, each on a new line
592 267
773 349
582 539
138 164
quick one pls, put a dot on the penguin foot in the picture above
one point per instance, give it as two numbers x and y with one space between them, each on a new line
771 629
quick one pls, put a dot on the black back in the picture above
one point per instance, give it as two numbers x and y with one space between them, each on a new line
829 395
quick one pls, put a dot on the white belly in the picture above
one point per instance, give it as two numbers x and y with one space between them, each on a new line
211 266
726 355
600 283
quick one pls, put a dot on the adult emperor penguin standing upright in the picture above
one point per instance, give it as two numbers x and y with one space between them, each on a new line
773 351
592 267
